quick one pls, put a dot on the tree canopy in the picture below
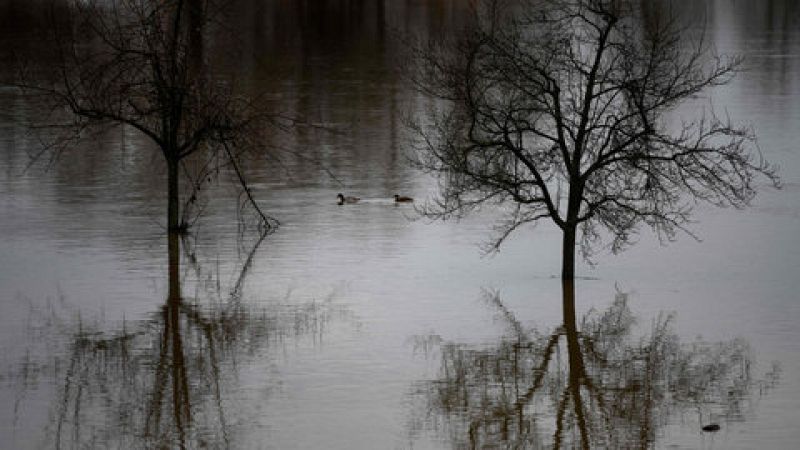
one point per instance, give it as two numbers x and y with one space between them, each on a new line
570 110
142 64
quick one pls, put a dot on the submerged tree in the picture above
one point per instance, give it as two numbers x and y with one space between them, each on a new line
562 108
141 64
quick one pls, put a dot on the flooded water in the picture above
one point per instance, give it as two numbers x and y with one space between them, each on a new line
363 326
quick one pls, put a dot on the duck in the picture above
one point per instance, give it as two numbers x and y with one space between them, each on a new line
402 199
341 199
711 427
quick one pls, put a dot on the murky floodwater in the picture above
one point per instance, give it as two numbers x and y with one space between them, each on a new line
343 329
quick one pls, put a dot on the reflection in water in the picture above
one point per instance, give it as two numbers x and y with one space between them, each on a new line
609 390
326 60
161 382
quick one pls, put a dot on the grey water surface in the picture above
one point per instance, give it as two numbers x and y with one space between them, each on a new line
340 331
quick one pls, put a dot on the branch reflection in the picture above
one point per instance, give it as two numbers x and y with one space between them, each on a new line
166 382
584 385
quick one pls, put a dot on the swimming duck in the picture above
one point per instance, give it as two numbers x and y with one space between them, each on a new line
402 199
341 199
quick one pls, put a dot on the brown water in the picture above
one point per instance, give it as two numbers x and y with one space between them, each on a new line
349 315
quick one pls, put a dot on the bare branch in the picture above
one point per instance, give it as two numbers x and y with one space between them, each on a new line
535 96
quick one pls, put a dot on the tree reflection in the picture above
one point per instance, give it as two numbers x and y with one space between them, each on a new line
611 390
165 382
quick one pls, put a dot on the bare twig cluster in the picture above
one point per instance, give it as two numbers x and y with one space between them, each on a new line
590 384
141 64
567 110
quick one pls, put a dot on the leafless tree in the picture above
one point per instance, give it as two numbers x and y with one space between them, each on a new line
141 64
567 110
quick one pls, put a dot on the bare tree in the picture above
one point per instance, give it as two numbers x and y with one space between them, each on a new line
141 64
567 110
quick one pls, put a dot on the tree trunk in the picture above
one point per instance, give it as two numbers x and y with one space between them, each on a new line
173 196
181 413
173 231
568 274
568 253
174 274
576 369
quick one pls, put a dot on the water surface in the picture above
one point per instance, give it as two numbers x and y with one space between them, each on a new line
324 350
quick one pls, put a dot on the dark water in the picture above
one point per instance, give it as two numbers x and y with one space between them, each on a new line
345 329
